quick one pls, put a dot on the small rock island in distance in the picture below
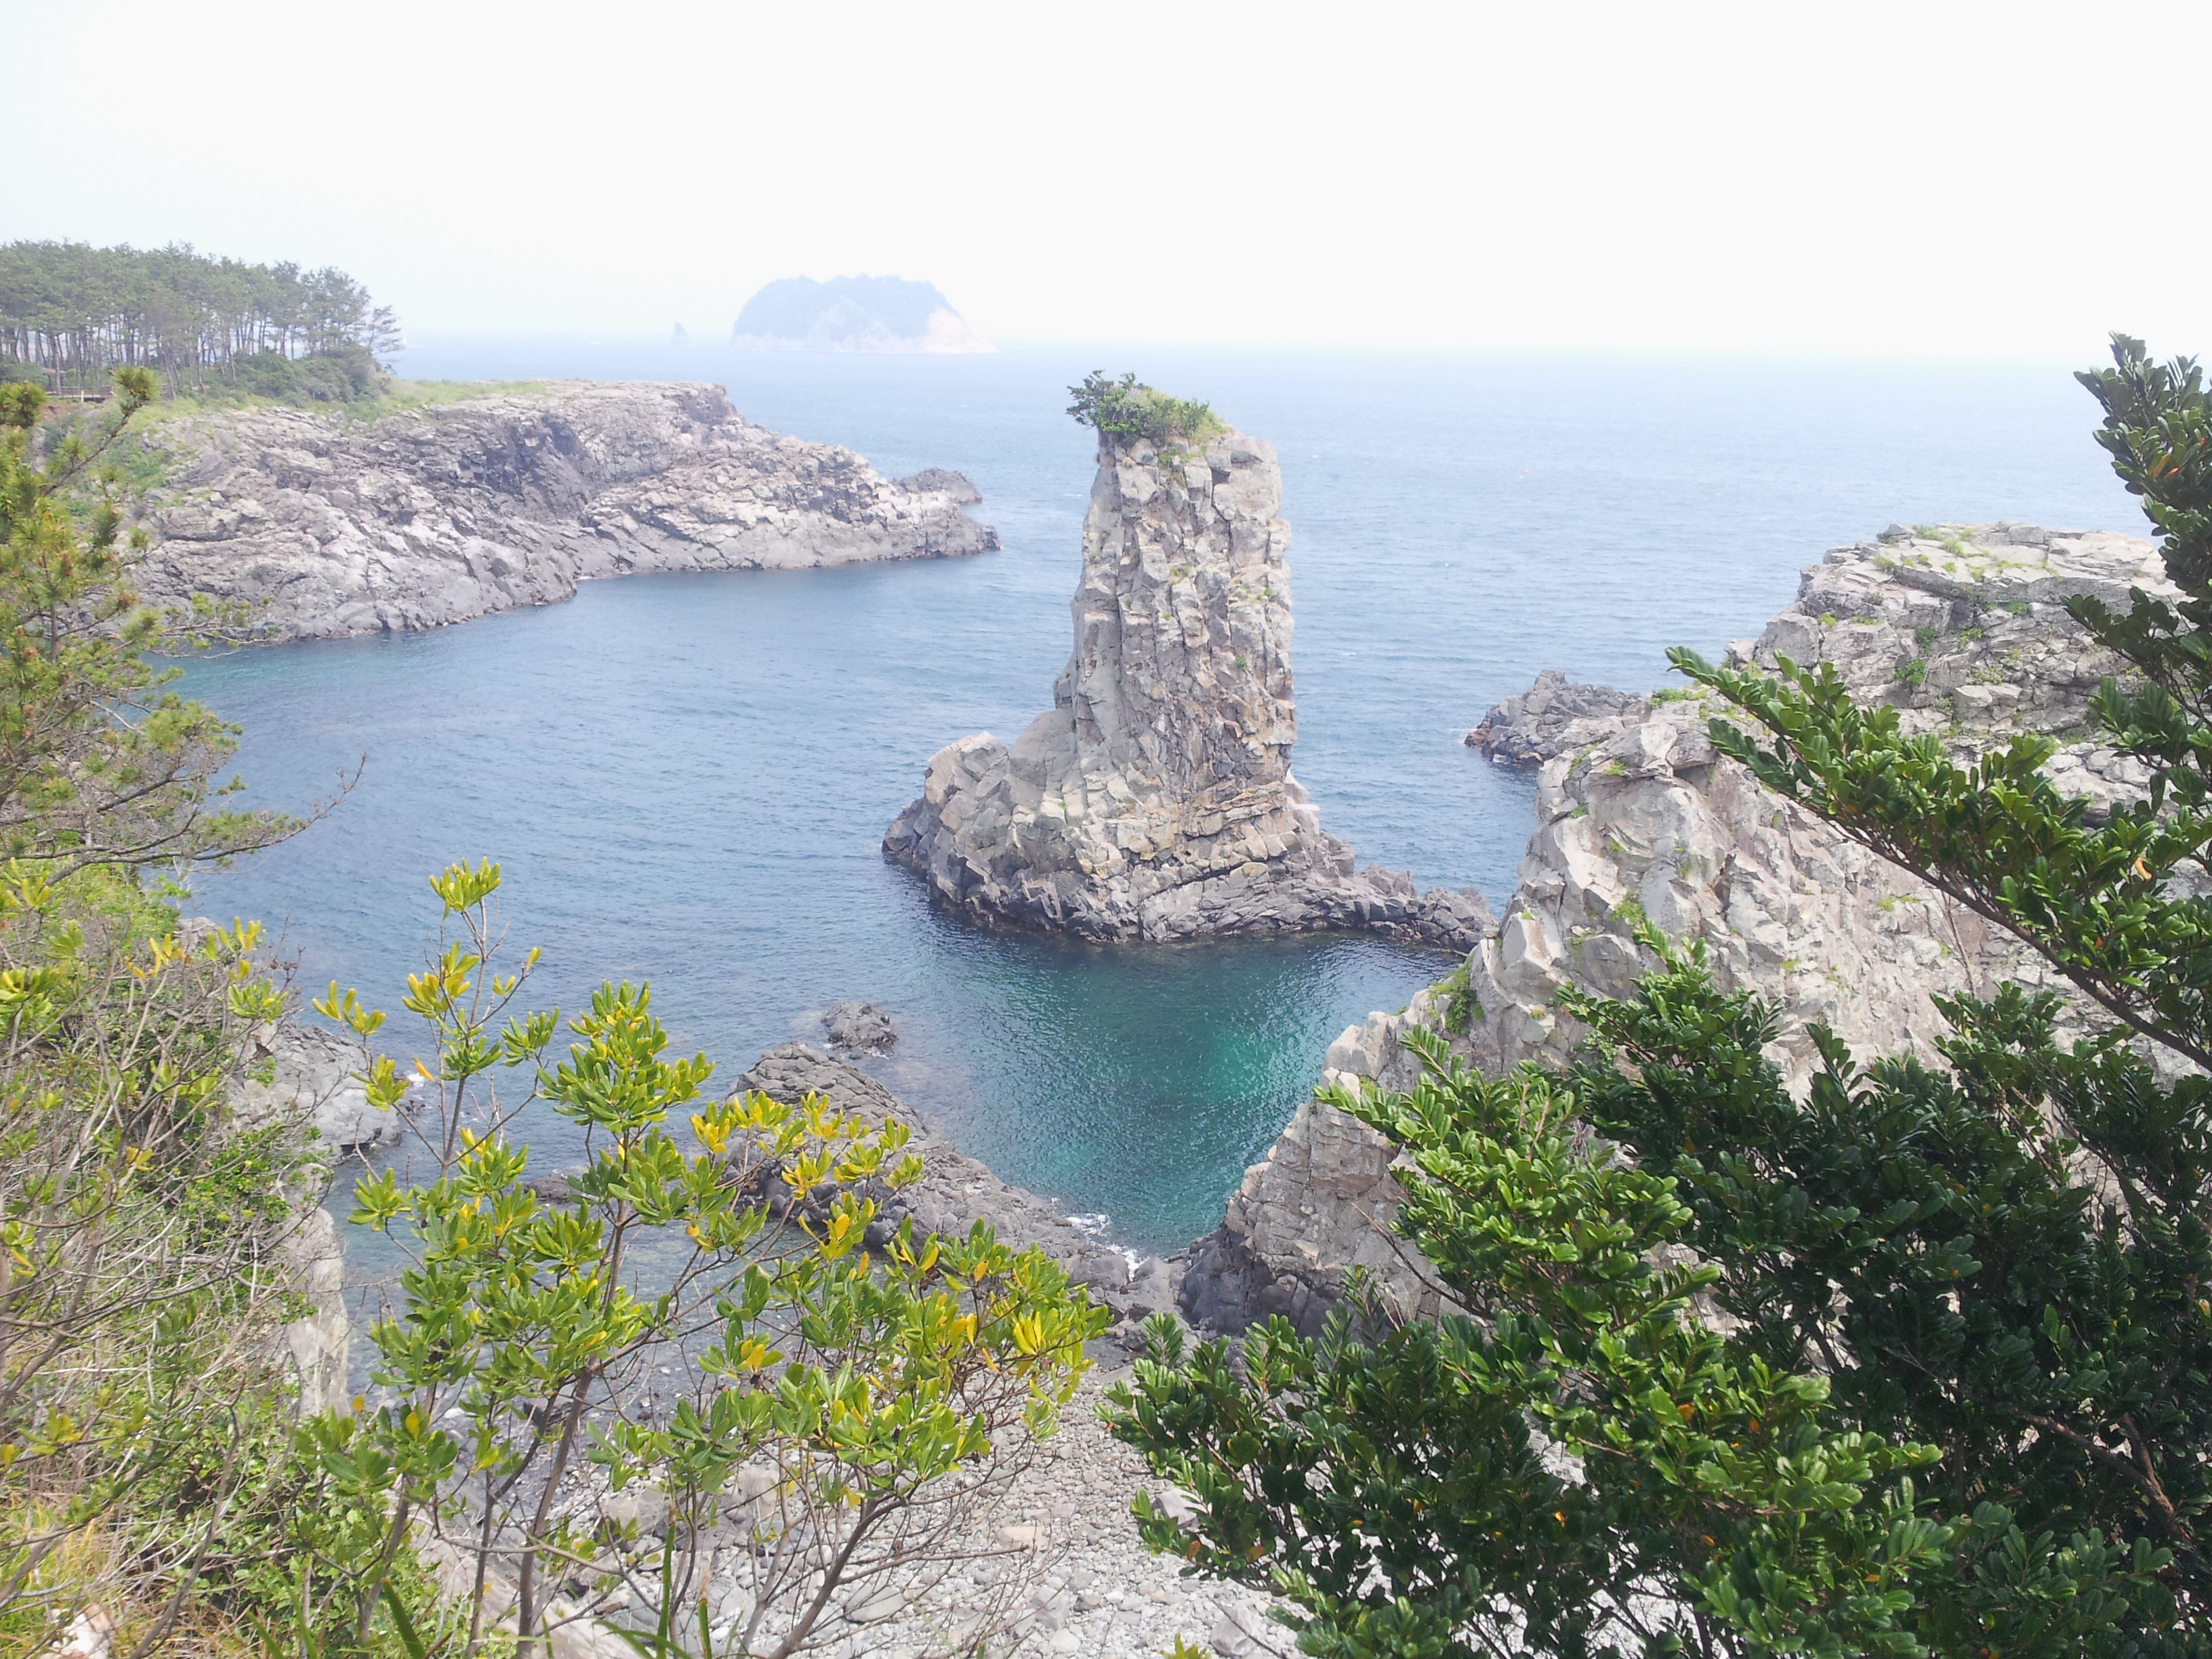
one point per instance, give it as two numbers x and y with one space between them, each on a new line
853 314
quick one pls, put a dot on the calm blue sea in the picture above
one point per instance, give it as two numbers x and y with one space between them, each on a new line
686 777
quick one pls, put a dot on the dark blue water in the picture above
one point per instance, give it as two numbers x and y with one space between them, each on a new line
686 777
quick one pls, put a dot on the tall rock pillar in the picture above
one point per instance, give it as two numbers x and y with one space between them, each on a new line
1155 799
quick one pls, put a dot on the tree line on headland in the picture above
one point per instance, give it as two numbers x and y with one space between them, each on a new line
71 315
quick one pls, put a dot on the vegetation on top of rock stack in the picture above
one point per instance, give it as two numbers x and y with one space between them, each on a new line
213 328
1917 1363
1126 408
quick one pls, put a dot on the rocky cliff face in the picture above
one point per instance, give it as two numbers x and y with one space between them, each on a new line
1155 799
1961 627
326 526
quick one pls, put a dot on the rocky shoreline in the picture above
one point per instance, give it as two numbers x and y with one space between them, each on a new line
1155 799
1959 627
322 525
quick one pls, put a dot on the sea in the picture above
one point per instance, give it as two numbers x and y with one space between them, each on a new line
685 779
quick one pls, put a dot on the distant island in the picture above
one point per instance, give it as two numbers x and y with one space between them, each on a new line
853 314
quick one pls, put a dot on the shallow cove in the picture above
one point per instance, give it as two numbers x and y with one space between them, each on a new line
632 759
687 777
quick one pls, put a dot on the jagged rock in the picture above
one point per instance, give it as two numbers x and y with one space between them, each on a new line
1319 1205
1156 798
1550 715
956 1191
324 525
311 1089
1647 822
858 1026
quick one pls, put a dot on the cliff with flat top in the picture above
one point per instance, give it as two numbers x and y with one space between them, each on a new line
326 525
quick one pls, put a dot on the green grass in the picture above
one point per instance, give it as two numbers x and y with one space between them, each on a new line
398 397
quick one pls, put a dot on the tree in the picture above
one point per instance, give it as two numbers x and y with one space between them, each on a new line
100 764
144 1227
857 1394
1126 409
1918 1364
70 315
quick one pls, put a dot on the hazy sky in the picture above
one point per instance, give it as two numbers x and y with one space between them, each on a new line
2010 179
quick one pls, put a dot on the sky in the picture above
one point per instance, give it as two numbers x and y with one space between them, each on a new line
2009 181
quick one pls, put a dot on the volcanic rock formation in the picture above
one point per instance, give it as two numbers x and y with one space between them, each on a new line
1963 629
1155 799
1529 729
323 525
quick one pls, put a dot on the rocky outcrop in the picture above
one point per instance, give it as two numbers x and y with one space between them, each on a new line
858 1027
956 1191
311 1087
1550 715
1155 799
944 479
320 524
313 1083
1959 627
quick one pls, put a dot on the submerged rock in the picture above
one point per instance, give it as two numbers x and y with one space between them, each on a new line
322 524
1155 799
1645 822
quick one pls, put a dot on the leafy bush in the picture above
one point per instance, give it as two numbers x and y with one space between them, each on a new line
1125 409
858 1394
348 375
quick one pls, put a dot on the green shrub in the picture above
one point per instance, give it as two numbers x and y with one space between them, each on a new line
1126 409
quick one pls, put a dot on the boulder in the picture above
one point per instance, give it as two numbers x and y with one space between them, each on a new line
861 1027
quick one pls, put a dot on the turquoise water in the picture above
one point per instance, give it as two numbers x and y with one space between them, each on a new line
687 777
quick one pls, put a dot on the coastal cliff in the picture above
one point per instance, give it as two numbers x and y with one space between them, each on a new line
323 525
1961 628
1155 799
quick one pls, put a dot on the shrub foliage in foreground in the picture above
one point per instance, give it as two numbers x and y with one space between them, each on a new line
1915 1364
847 1413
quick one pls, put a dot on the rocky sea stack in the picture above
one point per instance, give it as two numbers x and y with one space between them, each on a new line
1155 799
